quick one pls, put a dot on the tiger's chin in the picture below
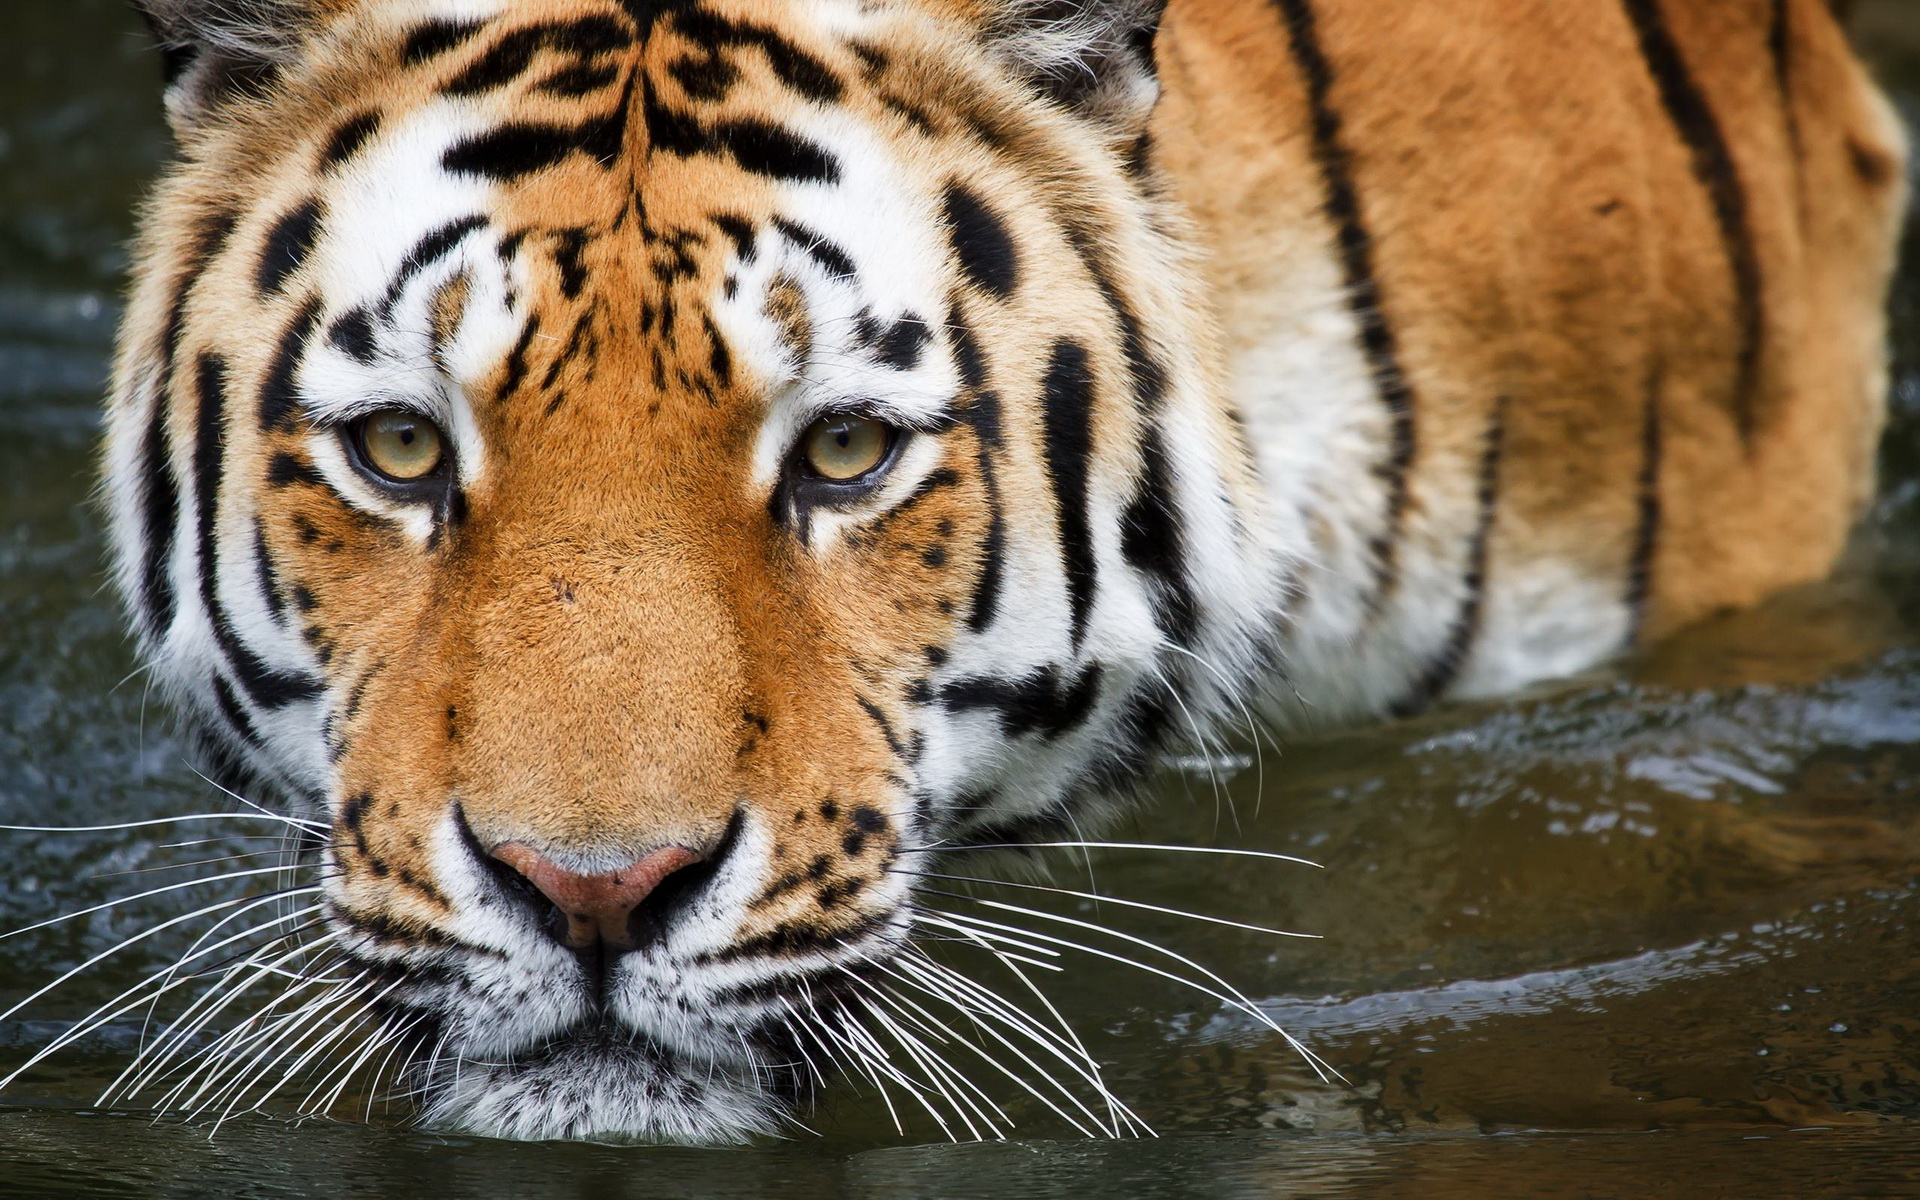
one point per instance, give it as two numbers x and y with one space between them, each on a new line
605 1084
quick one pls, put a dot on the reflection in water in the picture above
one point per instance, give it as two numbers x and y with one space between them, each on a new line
1679 896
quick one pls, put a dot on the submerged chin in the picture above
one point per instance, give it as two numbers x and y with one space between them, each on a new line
602 1086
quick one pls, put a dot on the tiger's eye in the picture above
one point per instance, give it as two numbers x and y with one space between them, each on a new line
843 448
401 445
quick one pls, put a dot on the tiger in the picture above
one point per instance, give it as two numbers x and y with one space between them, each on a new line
640 481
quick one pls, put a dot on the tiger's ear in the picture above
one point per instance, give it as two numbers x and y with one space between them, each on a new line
1095 56
214 50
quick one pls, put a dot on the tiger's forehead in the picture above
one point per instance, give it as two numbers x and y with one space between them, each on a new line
504 189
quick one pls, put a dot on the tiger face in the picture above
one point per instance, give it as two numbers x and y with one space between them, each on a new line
646 475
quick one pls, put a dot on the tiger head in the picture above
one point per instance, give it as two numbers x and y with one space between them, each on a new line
645 474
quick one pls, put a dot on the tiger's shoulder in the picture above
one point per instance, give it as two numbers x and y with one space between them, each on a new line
1559 323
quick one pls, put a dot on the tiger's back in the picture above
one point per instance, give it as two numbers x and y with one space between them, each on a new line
1558 325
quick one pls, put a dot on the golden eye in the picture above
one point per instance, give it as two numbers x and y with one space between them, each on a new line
401 445
845 447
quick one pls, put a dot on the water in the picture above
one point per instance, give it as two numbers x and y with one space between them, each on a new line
1657 929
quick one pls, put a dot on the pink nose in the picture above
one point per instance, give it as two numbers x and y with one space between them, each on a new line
597 907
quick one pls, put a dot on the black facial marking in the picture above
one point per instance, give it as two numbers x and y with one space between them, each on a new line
579 80
284 469
1153 542
719 357
776 152
567 248
433 246
1068 447
886 731
229 706
516 372
707 76
739 231
793 66
279 397
287 246
896 344
981 242
346 140
160 508
515 150
269 578
352 334
1043 703
431 39
264 685
836 262
510 57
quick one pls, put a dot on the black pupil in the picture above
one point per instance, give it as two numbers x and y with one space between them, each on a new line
843 434
406 434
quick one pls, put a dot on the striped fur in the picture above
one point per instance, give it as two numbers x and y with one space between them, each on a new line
1385 358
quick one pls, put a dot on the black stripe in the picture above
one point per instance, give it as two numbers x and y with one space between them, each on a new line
352 334
793 66
896 344
568 245
288 244
1445 665
719 355
433 246
279 395
1043 703
347 139
511 56
160 508
575 340
578 80
229 706
1714 168
269 578
1154 543
982 414
434 38
987 254
1780 43
1377 340
1647 532
836 262
1068 414
285 469
776 152
511 151
886 727
739 231
517 360
264 685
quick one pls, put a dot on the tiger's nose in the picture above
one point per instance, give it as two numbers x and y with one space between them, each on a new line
599 908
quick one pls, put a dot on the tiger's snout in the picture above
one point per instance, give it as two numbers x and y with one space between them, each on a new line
626 908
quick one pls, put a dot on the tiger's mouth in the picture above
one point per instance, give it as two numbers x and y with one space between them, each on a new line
674 1023
602 1080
